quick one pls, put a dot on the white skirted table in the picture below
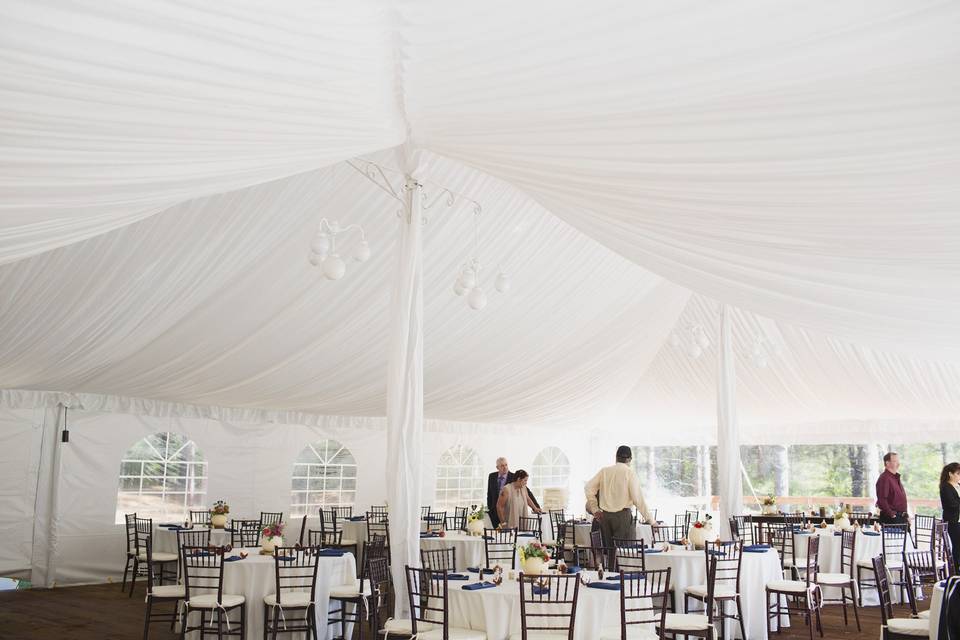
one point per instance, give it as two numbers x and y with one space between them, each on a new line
936 602
254 577
582 531
689 568
470 549
497 610
165 539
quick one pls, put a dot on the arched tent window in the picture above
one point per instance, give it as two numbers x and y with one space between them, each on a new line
460 480
551 469
324 475
162 477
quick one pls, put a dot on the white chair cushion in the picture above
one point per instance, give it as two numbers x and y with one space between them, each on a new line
159 556
924 615
909 626
789 586
634 632
347 542
868 564
833 578
686 622
455 633
401 626
168 591
350 590
292 599
719 591
209 601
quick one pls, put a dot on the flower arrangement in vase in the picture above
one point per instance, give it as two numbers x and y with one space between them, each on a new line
701 532
841 522
271 537
769 505
218 514
475 520
534 557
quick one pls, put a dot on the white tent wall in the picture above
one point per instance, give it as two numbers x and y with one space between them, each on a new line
249 466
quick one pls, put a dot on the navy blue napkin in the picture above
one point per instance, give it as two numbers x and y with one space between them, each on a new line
756 548
573 568
200 554
232 558
286 558
357 518
473 586
429 535
330 553
539 591
653 550
633 575
477 570
452 576
610 586
676 542
871 533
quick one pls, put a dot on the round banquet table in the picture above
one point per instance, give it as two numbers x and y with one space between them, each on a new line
254 577
689 568
166 539
352 530
470 549
497 610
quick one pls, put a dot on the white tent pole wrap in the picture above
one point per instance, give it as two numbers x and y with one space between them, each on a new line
405 398
728 436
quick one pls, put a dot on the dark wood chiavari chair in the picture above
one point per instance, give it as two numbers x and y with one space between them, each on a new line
379 509
548 605
557 517
682 520
741 527
795 520
458 521
244 533
343 512
894 544
201 517
922 531
784 542
172 593
303 529
378 525
358 594
946 550
380 581
439 559
671 534
894 628
376 547
330 526
436 521
324 539
797 596
690 516
531 525
428 591
845 580
192 538
130 520
270 517
500 547
699 625
203 593
167 562
728 557
643 603
629 555
295 586
425 512
922 570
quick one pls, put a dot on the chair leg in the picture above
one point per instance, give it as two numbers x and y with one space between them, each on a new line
183 623
266 618
743 633
220 614
312 613
243 620
203 623
766 603
133 578
126 568
146 619
276 622
856 614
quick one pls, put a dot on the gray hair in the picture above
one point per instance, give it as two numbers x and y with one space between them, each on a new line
499 460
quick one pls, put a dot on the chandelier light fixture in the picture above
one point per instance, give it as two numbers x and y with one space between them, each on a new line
323 248
692 338
468 279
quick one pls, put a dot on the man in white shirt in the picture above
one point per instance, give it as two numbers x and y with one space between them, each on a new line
611 493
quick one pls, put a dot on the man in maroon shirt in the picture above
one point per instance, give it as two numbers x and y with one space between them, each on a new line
891 497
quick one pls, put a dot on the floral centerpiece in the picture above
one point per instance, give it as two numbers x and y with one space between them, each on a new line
218 514
701 532
271 537
534 557
841 521
475 520
769 505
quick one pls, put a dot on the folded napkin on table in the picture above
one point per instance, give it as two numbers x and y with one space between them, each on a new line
357 518
573 569
676 542
198 554
173 527
756 548
232 558
331 553
653 550
526 534
612 586
871 533
633 575
228 529
473 586
452 576
286 558
429 535
477 570
539 591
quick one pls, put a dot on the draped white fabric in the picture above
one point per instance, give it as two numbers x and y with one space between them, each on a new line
111 111
729 483
794 159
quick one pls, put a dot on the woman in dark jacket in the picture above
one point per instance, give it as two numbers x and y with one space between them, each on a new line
950 501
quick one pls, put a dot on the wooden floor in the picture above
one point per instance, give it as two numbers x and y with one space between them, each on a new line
101 612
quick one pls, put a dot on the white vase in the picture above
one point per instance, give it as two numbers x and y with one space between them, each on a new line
700 536
769 509
269 544
475 527
842 523
534 566
218 521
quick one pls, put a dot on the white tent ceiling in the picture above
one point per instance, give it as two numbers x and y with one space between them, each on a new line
165 166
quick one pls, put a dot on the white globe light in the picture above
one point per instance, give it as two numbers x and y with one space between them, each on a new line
477 298
458 288
703 340
694 351
321 244
674 340
468 278
334 267
315 259
362 252
502 283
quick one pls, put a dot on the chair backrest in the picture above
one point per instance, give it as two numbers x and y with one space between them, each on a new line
742 528
630 555
729 559
669 533
500 546
643 599
531 525
795 519
131 523
436 521
376 547
923 530
324 539
329 522
848 552
425 512
771 534
557 517
245 533
548 604
946 549
378 572
192 538
343 512
812 561
883 587
270 517
782 540
682 520
303 530
202 571
295 570
921 567
691 516
458 521
144 531
377 525
894 542
439 559
148 550
427 590
379 509
200 516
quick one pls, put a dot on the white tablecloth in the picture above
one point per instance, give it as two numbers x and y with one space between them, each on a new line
254 578
497 610
470 549
936 602
689 568
582 531
165 540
